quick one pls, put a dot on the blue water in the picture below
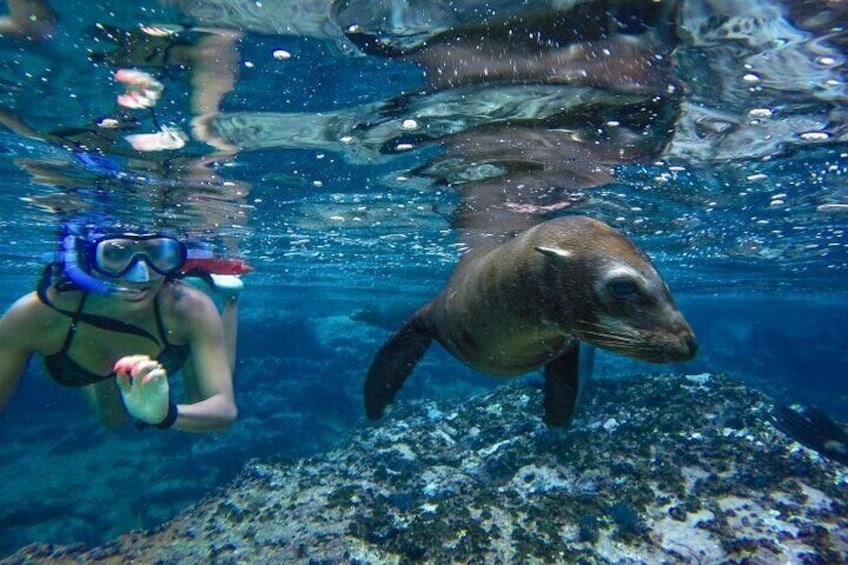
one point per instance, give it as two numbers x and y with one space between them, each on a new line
744 214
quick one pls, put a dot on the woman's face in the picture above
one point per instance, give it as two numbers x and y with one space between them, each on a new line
134 266
139 286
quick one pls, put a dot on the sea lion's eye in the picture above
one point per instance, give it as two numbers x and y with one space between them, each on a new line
623 288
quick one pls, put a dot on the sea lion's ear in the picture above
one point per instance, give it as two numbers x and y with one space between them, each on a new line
557 254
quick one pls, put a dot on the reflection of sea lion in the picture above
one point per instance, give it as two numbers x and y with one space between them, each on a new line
525 304
510 177
605 61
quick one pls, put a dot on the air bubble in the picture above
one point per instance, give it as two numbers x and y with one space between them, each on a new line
760 113
815 136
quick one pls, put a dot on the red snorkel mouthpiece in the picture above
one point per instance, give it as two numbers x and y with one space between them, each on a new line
216 266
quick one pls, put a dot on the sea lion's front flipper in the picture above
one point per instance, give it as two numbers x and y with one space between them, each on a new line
562 386
394 362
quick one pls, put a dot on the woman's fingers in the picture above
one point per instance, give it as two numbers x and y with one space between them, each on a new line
140 369
143 383
123 381
143 367
128 363
157 372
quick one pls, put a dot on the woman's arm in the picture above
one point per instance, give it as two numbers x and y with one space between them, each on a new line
18 327
211 368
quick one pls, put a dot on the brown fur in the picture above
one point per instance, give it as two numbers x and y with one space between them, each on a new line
510 309
526 304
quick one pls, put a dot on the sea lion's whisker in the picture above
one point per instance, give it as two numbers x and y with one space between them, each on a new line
609 340
609 336
618 345
609 333
594 326
584 323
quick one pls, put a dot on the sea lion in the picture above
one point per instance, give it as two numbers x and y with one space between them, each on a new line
528 303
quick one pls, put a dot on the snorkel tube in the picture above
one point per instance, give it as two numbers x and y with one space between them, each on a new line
77 275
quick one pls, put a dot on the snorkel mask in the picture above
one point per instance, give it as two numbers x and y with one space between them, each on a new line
98 261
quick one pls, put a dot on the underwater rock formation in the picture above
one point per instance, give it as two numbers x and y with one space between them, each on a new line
655 469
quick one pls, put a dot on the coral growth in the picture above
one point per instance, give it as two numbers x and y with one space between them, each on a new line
656 469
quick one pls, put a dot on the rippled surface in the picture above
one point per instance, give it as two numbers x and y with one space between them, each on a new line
336 160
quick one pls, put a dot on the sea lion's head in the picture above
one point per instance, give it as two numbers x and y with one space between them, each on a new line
612 295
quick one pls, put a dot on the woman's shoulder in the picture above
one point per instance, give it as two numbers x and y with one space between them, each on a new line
32 307
187 310
185 300
29 318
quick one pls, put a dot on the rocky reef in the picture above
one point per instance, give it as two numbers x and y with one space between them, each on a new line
656 469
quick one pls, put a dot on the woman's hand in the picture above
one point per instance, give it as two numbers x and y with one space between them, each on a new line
144 386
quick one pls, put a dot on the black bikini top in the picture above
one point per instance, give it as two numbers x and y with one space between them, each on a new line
66 371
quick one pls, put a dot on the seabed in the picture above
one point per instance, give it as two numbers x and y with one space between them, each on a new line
655 469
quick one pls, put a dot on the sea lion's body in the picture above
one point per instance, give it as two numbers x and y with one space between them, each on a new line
527 303
487 316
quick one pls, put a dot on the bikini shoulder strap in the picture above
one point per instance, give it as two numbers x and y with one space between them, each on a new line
102 322
160 324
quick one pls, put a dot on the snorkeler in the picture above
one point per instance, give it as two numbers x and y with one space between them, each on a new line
112 317
814 429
